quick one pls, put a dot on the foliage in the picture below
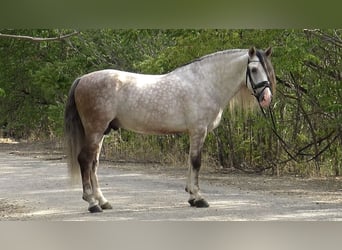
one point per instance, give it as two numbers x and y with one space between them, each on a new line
35 78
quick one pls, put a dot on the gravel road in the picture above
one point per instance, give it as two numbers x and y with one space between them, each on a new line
37 188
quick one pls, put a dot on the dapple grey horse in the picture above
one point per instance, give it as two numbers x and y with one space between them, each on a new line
190 99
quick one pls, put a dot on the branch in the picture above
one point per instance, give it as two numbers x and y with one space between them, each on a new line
291 86
319 141
40 39
336 40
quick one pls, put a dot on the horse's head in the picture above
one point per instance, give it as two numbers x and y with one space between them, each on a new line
260 77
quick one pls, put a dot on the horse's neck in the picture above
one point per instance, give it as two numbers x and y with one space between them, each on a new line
224 72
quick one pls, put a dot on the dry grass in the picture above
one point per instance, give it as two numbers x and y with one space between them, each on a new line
145 149
8 141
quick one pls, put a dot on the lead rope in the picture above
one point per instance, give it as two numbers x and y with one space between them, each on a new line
274 130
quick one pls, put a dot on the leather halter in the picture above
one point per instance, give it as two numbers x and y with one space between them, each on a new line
263 84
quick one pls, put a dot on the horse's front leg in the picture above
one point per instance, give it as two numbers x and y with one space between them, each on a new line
197 139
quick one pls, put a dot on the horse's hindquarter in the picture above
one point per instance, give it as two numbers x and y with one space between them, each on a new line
95 99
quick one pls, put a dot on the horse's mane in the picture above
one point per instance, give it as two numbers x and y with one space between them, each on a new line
209 56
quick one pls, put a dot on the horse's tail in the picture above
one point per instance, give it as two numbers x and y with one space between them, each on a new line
74 134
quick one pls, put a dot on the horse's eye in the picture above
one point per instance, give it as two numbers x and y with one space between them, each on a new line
254 70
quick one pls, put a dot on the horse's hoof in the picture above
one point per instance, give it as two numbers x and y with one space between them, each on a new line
201 203
95 209
192 202
106 206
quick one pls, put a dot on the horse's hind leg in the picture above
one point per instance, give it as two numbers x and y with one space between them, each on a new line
103 202
88 160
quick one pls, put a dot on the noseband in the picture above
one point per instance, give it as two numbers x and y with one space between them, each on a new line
263 84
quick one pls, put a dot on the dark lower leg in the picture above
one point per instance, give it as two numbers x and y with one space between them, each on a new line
196 144
86 161
192 188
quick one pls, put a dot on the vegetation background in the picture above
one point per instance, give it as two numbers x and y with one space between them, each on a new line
36 74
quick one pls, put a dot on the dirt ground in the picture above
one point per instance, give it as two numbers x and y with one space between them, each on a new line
319 198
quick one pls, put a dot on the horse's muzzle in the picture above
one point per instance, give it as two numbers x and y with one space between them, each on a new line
265 98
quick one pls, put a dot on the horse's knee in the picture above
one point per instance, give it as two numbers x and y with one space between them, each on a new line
82 158
196 162
87 157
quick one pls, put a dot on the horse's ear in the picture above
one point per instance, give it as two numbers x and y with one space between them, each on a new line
252 52
268 52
